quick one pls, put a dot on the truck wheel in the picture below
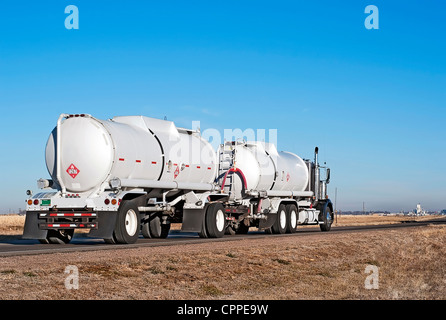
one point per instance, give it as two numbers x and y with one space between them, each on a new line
327 219
279 227
291 211
127 223
62 236
215 220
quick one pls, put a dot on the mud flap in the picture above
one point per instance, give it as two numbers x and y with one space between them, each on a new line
193 220
268 222
106 225
31 229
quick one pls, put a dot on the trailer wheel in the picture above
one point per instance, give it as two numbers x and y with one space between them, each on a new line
291 211
279 227
327 219
215 221
127 223
157 229
62 236
145 229
203 233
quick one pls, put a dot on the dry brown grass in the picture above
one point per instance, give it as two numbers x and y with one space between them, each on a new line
11 224
411 265
374 219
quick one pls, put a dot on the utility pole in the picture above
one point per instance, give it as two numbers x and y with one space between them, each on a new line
363 207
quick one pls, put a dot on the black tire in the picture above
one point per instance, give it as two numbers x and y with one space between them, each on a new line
292 217
203 232
215 221
128 223
145 229
279 226
327 219
62 236
157 229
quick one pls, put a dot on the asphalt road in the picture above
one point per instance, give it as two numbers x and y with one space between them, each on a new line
14 246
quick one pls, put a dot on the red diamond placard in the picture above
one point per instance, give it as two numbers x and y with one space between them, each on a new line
176 173
73 171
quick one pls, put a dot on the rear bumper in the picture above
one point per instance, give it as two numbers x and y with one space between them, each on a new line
37 223
68 220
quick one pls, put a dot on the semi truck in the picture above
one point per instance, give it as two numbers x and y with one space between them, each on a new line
133 176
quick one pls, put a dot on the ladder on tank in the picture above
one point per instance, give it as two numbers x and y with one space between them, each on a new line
227 155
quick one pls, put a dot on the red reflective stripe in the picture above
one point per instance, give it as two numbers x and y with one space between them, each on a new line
121 159
153 162
64 225
198 167
70 214
138 161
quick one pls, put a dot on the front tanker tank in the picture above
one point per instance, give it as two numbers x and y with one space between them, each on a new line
264 168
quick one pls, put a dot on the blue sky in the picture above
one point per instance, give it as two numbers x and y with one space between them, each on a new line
374 101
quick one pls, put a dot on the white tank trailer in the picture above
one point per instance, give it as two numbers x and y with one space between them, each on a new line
136 175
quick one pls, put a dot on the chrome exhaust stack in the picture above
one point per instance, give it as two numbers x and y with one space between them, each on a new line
316 175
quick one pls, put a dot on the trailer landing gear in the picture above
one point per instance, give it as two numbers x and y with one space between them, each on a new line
61 236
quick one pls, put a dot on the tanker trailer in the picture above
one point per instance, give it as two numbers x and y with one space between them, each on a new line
136 175
271 190
103 171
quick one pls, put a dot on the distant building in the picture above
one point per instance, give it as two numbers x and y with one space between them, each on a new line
419 211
